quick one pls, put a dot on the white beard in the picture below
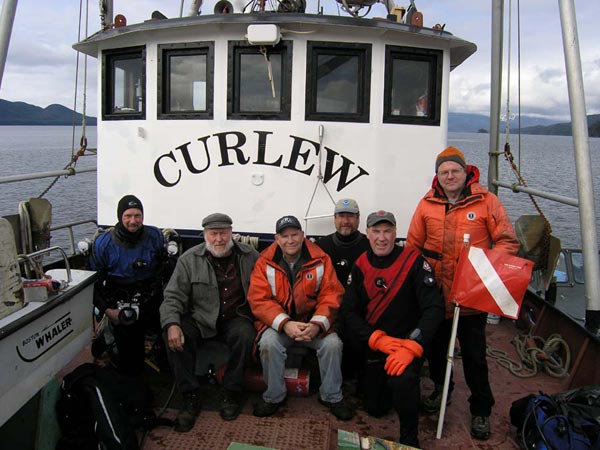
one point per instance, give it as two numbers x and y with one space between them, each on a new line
220 253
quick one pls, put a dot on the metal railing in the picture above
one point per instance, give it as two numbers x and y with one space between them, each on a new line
54 173
69 226
518 188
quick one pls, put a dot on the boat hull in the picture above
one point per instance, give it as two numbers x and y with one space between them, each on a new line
41 338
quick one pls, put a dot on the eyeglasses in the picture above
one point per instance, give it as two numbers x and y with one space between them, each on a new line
447 173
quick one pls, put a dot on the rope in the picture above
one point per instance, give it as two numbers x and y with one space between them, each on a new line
552 356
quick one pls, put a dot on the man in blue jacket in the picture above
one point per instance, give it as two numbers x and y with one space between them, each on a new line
129 259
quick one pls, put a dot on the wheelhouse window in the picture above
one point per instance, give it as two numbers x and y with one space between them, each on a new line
185 81
413 80
338 77
259 84
124 84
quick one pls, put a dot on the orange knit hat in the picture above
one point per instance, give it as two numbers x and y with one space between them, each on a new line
450 154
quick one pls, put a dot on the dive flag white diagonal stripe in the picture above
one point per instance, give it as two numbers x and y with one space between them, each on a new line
492 281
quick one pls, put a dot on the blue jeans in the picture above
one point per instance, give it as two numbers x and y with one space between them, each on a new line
273 353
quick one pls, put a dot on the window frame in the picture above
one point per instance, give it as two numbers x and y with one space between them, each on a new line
237 48
163 78
434 102
364 51
108 82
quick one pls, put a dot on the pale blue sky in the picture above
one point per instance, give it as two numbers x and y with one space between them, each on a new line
41 63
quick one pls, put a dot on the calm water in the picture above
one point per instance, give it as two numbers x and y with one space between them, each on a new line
547 164
41 149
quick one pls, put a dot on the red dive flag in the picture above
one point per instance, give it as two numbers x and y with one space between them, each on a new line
491 281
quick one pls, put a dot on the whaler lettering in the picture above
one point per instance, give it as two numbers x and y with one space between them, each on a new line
52 333
232 148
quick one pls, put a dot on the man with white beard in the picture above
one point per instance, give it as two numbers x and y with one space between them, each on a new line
206 300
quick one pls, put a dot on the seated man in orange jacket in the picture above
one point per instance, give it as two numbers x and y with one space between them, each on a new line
295 295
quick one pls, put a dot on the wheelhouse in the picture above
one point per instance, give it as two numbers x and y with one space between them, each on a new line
265 114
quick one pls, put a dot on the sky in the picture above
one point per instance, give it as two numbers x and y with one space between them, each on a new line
40 68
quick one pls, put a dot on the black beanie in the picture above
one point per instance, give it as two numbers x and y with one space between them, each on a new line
128 201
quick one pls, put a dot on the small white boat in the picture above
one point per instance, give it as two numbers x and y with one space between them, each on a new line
43 335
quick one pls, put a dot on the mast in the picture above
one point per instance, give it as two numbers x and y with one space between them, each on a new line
587 214
7 17
495 92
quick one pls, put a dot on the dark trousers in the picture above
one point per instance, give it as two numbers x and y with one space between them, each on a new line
403 393
131 341
471 335
237 334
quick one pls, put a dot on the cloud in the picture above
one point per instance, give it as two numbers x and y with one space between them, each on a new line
40 66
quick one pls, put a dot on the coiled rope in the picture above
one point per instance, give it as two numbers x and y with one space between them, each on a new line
551 355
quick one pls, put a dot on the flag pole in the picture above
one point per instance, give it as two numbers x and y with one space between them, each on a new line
449 364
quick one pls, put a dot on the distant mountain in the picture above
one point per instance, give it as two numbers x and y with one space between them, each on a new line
19 113
477 123
564 129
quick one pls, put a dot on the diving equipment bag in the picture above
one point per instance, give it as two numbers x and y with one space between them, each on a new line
567 420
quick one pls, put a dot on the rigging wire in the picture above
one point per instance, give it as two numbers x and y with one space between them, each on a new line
83 140
544 243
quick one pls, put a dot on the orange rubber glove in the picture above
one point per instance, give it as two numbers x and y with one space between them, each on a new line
379 341
397 362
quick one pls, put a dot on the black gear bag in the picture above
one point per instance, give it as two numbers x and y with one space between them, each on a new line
100 408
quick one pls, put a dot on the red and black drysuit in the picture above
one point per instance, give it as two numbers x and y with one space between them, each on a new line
397 294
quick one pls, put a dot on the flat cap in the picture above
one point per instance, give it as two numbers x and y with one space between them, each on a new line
216 220
380 216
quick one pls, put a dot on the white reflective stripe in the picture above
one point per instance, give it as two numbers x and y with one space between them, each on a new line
280 318
271 279
493 282
320 271
106 415
322 320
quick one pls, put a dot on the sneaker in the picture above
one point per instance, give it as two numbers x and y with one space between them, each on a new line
231 405
339 409
265 409
480 427
433 403
186 417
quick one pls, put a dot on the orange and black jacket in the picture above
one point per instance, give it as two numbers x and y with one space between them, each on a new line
314 297
438 227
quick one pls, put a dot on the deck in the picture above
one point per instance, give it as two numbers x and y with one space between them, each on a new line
305 424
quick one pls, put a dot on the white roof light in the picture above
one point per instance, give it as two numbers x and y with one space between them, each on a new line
263 34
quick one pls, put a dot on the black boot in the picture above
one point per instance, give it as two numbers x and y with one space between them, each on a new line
186 417
231 405
409 435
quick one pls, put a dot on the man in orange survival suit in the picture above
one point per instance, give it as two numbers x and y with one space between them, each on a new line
295 295
457 205
393 307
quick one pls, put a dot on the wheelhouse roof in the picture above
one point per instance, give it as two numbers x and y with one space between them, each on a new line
460 49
